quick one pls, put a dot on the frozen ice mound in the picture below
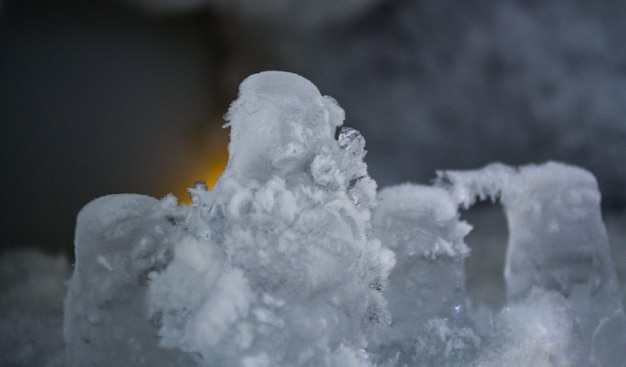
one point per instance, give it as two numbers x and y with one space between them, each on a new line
295 259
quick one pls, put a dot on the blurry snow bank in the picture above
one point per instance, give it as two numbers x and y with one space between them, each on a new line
426 292
32 288
288 260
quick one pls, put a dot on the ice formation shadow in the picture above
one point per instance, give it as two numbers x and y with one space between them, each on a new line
294 259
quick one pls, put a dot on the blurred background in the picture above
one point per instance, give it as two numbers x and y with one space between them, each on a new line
105 97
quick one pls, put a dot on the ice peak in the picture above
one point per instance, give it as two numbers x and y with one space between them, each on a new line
278 123
278 83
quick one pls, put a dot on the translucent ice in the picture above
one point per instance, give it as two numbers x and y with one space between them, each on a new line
426 292
121 240
557 240
32 285
279 123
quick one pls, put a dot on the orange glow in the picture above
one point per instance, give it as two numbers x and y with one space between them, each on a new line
208 166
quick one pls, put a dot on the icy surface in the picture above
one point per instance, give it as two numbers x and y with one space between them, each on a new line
426 291
557 240
275 266
120 240
294 259
282 264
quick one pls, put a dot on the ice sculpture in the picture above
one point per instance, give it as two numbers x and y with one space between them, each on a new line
282 264
426 291
557 240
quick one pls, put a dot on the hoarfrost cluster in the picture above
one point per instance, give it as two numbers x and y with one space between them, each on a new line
295 259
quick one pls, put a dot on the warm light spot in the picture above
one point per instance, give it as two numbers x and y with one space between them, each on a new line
209 165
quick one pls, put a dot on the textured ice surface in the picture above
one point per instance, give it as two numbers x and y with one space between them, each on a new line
276 265
120 241
279 123
557 240
426 291
279 252
289 260
537 331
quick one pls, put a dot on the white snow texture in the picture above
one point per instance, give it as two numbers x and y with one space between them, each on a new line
289 260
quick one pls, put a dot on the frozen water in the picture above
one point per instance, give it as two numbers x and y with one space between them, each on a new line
279 122
557 240
609 341
289 260
426 291
469 186
120 241
288 272
277 265
538 331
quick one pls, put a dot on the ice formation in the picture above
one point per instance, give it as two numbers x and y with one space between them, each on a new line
557 243
294 259
121 241
276 265
426 291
